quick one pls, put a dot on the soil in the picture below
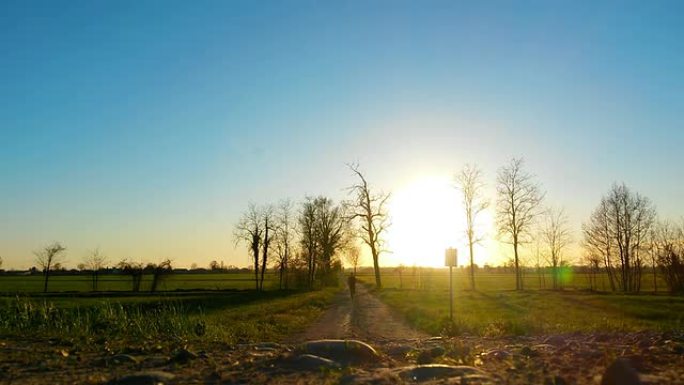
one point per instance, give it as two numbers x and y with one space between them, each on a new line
657 357
364 318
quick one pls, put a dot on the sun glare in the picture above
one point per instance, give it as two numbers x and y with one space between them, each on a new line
425 221
427 217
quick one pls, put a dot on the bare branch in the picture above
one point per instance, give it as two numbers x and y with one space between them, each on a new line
369 210
519 198
469 181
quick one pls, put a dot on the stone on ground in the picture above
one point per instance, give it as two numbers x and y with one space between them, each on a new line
342 351
309 362
144 378
420 373
123 359
620 372
182 356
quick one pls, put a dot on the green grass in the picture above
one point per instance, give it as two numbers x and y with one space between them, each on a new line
188 307
230 317
495 310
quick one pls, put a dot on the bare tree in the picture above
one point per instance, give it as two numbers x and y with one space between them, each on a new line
371 212
324 232
618 231
214 266
95 261
556 237
519 198
332 233
284 239
47 258
268 226
670 255
159 273
598 239
298 268
352 256
308 236
653 236
134 270
249 229
538 263
593 267
400 270
469 181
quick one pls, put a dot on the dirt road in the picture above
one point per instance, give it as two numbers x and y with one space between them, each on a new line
365 318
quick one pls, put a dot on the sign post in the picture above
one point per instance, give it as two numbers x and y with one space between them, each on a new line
451 260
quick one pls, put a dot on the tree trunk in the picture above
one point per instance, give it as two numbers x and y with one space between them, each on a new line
256 273
539 275
255 252
155 281
287 256
95 280
312 268
264 256
472 262
518 283
47 276
376 266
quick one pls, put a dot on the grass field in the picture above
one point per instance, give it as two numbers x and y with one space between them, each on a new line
230 317
116 282
494 309
190 307
207 307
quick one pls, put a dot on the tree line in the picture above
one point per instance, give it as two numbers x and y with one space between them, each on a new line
624 233
305 241
620 237
51 257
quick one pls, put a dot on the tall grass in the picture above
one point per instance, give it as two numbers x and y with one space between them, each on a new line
162 321
205 317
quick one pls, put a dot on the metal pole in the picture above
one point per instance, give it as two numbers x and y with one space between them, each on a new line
451 295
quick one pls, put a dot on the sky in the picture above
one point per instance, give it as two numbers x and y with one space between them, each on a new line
145 128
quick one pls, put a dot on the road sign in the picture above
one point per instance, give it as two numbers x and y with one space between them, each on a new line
451 260
451 257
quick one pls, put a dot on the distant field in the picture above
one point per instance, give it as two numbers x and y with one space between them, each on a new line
495 309
427 278
116 282
423 278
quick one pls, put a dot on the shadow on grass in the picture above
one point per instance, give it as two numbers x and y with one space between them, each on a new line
500 300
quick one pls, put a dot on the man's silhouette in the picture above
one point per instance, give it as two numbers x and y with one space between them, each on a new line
351 282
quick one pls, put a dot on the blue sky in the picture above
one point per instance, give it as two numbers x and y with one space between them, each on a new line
145 127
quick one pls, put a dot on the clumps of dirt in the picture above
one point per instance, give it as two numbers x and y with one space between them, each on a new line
606 359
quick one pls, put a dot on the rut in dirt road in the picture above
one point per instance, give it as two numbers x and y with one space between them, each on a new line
366 318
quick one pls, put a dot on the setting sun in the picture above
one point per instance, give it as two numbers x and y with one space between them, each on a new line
427 217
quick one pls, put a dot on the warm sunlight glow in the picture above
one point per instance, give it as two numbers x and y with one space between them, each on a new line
427 217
